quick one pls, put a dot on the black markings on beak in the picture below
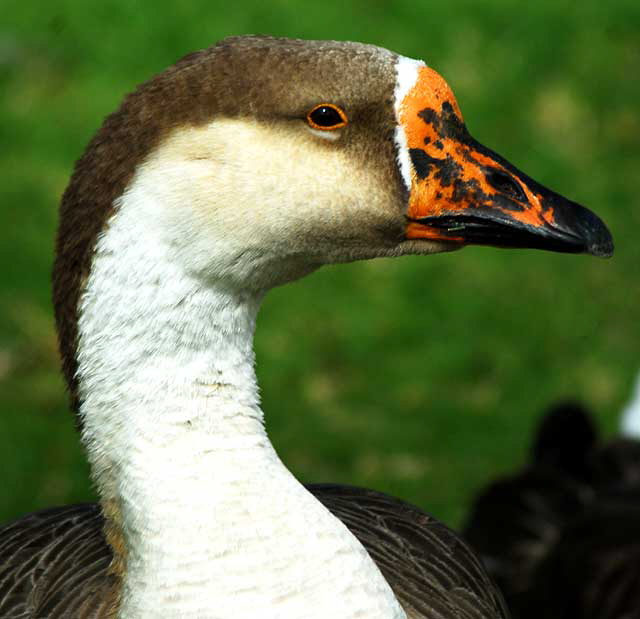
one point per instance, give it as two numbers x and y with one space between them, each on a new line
505 184
448 170
421 162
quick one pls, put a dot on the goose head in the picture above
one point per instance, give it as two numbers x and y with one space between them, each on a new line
259 159
298 153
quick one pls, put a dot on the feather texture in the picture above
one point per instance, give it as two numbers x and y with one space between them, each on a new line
55 563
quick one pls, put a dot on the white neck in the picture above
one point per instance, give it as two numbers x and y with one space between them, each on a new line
214 525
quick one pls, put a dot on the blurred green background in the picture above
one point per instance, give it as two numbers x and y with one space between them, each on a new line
422 377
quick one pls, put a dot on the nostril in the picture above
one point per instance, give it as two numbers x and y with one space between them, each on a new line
504 183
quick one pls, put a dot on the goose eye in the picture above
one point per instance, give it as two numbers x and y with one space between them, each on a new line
326 117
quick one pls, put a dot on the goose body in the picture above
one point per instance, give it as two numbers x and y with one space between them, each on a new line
59 560
240 168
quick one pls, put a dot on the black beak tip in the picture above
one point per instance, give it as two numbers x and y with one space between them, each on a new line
600 239
603 247
592 230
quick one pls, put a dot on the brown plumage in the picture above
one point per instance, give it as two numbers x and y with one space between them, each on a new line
55 563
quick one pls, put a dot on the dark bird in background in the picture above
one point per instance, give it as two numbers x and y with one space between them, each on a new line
561 537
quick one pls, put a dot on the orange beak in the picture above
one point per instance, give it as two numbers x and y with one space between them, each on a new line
464 193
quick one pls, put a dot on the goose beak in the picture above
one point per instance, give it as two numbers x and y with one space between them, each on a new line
463 193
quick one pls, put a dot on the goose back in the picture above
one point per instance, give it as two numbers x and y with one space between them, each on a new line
55 562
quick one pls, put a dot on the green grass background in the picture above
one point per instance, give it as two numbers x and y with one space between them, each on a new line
422 377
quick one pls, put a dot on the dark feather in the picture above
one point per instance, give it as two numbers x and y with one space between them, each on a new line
430 569
562 536
54 563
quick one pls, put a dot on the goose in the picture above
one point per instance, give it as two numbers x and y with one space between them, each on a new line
561 537
240 168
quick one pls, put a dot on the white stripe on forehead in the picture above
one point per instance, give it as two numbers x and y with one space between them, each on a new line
406 77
